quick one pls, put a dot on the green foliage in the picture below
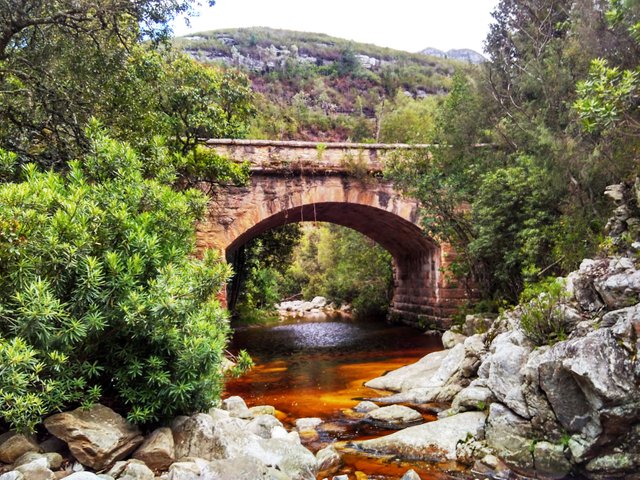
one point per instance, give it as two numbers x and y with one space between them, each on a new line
335 98
343 266
542 319
101 297
409 120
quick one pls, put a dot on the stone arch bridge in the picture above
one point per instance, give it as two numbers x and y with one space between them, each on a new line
338 183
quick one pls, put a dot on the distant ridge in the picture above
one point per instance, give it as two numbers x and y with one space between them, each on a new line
461 54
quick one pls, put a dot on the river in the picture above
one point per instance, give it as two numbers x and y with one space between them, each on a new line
317 367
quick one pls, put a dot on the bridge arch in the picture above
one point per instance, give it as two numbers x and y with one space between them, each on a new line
423 293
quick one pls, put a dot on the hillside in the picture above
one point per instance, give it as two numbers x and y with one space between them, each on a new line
462 54
312 86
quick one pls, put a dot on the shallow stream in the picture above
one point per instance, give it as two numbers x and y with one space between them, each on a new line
317 367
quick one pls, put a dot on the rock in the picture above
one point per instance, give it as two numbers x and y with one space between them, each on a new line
305 424
328 459
131 470
550 460
50 460
394 416
472 398
319 302
340 477
365 406
195 437
433 441
158 450
411 376
97 437
506 376
263 425
510 436
614 463
450 339
620 289
240 468
631 314
83 476
184 471
410 475
235 406
262 410
36 470
13 445
475 324
13 475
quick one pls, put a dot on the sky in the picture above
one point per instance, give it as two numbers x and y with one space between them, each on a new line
410 25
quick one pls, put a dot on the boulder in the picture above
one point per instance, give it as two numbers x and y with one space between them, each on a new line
263 425
97 437
14 445
472 398
328 459
236 407
450 339
410 475
240 468
262 410
365 406
506 375
411 376
510 436
158 450
184 471
36 470
195 437
50 460
12 475
550 460
394 417
433 442
308 423
131 470
84 476
318 302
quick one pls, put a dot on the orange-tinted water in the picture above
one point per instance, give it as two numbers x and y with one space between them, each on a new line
317 368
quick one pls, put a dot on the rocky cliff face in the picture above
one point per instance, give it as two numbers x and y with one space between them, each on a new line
570 406
463 54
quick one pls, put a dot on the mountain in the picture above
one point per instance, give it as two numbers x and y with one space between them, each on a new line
464 55
312 86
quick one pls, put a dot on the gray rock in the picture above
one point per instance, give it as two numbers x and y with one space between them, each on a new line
365 406
195 437
472 398
319 302
235 406
97 437
240 468
12 475
50 460
620 289
631 314
131 470
433 441
305 424
84 476
158 450
14 445
506 376
510 435
394 416
340 477
410 475
416 375
184 471
263 425
550 460
328 459
450 339
36 470
262 410
614 463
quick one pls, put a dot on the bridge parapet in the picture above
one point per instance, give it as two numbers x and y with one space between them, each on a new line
292 156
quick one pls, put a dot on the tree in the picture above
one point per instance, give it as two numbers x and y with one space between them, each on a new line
101 298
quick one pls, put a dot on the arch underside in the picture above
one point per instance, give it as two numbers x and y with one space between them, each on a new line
398 236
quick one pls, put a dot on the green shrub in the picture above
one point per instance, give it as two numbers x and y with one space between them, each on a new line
542 319
100 295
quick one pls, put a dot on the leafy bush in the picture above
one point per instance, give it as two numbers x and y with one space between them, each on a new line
100 295
542 318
